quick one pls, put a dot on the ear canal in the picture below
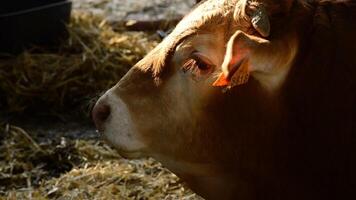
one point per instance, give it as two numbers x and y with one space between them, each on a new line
260 21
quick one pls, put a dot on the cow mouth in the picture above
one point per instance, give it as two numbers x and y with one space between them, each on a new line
122 152
129 155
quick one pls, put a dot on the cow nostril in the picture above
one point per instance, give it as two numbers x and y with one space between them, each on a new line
100 114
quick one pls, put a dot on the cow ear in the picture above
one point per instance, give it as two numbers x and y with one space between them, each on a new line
237 65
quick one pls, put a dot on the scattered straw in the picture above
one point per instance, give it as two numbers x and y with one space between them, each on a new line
78 169
91 60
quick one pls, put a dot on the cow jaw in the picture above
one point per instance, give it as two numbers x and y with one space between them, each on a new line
204 178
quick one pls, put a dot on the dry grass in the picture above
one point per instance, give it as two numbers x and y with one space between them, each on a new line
33 168
91 60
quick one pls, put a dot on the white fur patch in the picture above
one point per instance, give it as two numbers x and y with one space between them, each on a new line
119 129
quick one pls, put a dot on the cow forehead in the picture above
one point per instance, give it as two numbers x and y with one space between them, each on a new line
211 44
205 17
208 17
210 13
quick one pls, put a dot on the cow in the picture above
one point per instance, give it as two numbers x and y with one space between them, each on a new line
246 99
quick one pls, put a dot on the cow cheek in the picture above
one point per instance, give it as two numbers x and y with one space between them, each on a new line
167 118
178 122
163 117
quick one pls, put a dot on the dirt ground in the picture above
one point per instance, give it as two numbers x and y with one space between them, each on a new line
118 10
61 157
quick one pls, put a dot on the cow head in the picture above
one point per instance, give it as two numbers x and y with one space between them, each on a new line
194 102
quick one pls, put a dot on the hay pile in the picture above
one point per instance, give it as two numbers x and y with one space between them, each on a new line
38 168
91 60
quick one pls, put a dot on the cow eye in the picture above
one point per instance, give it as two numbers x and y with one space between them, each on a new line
198 64
201 64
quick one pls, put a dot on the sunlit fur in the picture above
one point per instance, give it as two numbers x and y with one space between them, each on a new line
206 16
296 142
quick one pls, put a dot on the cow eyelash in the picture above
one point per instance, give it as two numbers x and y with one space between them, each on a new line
196 62
189 64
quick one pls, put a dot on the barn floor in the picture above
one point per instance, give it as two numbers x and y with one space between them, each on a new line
69 162
56 154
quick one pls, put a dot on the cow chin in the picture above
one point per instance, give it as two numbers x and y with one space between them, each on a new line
119 131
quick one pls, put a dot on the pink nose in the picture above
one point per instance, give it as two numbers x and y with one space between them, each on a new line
100 114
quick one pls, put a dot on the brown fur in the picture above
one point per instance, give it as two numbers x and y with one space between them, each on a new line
299 143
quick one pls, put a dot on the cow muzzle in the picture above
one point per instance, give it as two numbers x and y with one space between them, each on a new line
113 121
